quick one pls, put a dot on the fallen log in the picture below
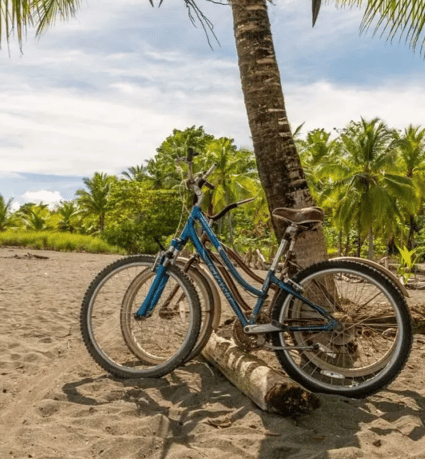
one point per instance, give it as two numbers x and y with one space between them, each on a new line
267 388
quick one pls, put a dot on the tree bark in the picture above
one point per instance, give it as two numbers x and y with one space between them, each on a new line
411 236
267 388
370 244
278 163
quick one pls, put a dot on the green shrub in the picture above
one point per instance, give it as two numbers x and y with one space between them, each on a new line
139 215
64 242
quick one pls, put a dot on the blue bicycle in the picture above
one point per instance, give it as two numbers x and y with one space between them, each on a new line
338 326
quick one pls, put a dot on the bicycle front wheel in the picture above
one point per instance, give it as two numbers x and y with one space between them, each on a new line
171 306
373 341
166 340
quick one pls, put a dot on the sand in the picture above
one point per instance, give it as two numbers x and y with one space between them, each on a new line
56 403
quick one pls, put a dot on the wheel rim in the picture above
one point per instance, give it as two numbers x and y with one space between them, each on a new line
116 350
335 362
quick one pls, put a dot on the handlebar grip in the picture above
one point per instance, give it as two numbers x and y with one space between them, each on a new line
228 208
190 154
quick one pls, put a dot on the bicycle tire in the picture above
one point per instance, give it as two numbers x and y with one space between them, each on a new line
208 310
358 360
215 292
100 321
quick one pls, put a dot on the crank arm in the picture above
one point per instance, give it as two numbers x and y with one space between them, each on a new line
273 327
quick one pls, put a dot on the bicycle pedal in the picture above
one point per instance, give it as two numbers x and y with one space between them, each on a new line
272 327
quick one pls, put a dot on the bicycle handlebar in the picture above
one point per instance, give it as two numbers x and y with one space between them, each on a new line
228 208
196 183
200 180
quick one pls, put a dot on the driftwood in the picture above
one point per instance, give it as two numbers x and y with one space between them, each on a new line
267 388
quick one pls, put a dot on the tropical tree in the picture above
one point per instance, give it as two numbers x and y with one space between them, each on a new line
139 216
136 173
316 149
411 160
35 217
5 216
95 201
278 163
234 178
162 168
362 191
68 212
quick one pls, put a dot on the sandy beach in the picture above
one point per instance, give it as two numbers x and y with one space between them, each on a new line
56 403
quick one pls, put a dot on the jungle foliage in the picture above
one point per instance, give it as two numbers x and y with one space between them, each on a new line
369 178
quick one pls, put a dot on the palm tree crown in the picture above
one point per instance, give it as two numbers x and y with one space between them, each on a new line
95 201
361 191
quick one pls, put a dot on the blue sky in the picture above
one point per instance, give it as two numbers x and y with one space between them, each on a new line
102 91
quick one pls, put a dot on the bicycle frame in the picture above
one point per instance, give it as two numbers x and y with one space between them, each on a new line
189 234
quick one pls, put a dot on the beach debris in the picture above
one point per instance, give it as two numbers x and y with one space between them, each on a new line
28 256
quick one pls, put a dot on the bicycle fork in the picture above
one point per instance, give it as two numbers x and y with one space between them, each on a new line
154 293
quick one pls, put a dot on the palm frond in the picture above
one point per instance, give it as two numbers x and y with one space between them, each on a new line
393 17
15 15
315 8
45 12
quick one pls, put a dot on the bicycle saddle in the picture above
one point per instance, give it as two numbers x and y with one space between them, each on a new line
299 216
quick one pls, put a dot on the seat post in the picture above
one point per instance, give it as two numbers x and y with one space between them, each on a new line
292 231
286 245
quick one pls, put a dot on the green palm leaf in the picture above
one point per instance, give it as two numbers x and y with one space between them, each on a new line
393 17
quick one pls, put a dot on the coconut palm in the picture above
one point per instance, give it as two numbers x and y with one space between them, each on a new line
317 149
5 217
411 161
136 173
279 166
362 190
67 211
18 15
392 18
278 163
35 217
95 201
234 178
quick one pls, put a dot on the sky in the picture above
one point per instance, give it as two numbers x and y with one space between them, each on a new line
102 91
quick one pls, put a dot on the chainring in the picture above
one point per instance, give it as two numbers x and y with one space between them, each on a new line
249 342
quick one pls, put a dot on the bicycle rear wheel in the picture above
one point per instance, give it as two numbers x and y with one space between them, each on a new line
169 339
372 345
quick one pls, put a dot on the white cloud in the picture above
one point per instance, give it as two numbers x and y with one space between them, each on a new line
101 93
15 206
122 122
43 196
326 105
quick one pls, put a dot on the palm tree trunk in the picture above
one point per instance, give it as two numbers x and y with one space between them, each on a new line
340 243
370 244
411 236
347 244
101 222
279 166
